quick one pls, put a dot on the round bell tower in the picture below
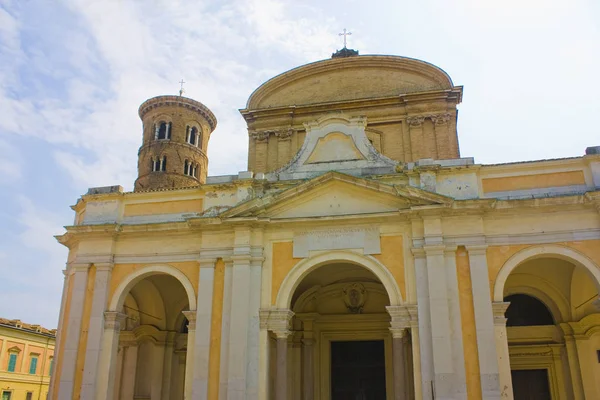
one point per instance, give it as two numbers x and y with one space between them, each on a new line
173 154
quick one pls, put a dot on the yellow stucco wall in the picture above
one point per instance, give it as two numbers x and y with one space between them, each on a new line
163 207
522 182
392 256
283 262
121 271
214 361
498 255
467 315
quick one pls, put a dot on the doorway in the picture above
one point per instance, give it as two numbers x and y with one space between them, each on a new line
531 384
358 370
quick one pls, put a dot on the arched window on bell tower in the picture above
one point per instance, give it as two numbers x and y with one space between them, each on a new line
162 130
159 164
193 135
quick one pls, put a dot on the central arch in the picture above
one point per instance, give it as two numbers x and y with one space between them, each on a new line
304 267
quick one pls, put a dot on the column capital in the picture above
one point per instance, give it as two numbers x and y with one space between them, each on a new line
308 342
104 266
499 309
418 252
113 320
79 267
276 320
208 262
191 317
434 249
477 249
402 317
450 249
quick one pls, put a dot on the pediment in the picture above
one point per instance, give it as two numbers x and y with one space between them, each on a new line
336 194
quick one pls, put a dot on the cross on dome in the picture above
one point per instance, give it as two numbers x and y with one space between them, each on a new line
345 34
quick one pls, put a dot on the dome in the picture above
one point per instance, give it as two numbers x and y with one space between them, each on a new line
347 79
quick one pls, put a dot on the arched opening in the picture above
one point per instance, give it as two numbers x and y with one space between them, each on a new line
341 345
525 310
551 296
150 361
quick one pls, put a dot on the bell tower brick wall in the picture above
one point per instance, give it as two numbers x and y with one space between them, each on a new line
171 145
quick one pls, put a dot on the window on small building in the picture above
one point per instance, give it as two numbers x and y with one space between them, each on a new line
190 169
33 365
29 396
195 171
186 167
12 362
162 130
525 310
6 395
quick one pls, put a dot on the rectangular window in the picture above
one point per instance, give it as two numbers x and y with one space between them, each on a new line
12 363
6 395
29 396
51 366
33 365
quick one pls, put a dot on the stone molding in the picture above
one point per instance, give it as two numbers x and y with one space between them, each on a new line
403 317
191 317
276 320
499 309
113 320
440 119
477 249
416 121
260 136
285 134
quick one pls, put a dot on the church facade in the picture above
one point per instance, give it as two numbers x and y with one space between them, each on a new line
358 257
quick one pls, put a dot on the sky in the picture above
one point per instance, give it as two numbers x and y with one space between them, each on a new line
74 72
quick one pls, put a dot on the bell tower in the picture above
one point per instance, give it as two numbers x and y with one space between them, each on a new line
173 154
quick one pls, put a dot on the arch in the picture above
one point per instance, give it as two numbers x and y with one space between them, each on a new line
547 294
304 267
555 251
526 310
116 303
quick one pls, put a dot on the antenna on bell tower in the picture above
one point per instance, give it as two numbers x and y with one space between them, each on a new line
181 90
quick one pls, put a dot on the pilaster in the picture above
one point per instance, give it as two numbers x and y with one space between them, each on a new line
499 309
484 322
95 329
415 125
113 321
73 325
191 355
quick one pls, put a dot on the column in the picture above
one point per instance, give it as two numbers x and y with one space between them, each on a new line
484 322
73 325
308 362
262 140
191 339
400 321
425 343
440 129
456 336
308 365
196 368
95 330
499 308
278 322
168 366
108 356
573 358
443 364
284 143
415 125
129 370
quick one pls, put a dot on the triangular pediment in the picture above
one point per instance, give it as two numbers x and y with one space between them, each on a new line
336 194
